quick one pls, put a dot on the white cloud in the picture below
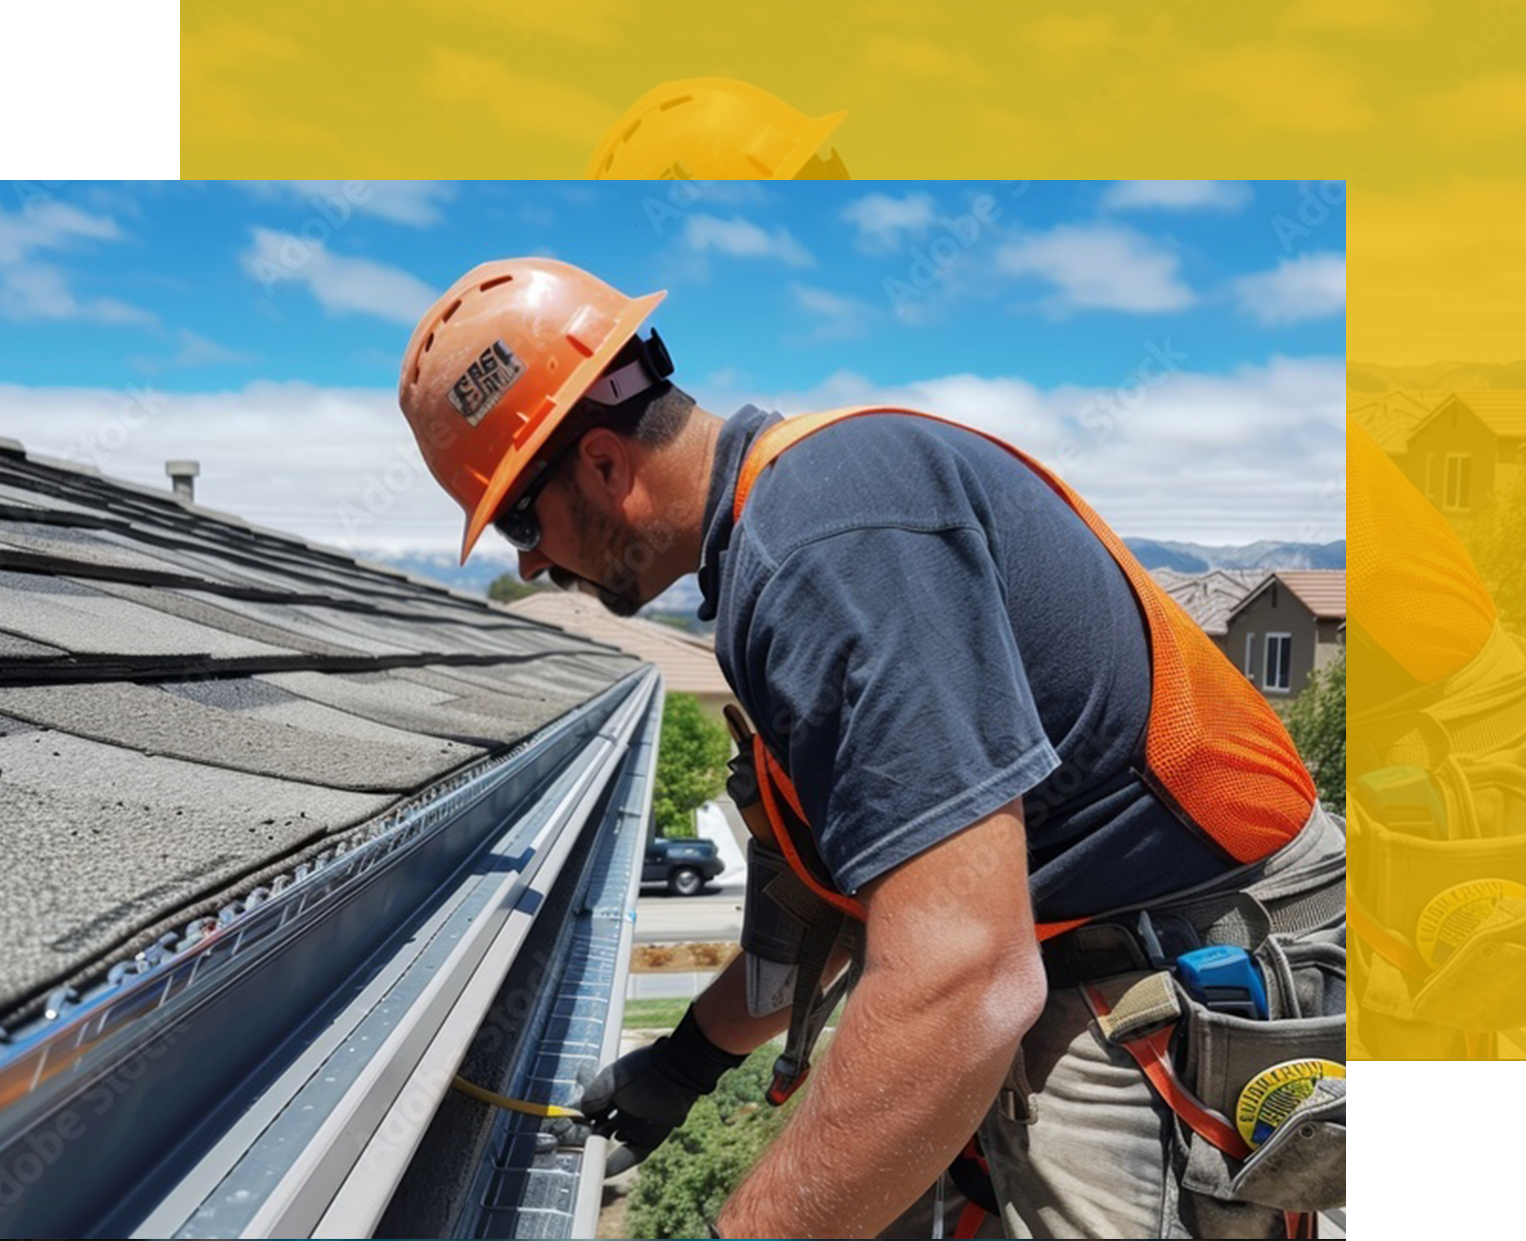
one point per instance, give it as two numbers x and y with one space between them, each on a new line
1175 195
197 350
741 238
1258 453
415 203
836 315
1312 286
1099 267
358 482
48 224
1169 453
33 290
884 221
194 350
341 284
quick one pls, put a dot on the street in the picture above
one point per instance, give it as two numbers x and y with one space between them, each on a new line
715 914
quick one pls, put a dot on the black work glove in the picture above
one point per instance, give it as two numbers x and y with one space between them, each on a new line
642 1097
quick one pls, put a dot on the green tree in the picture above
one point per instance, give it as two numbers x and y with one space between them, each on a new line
688 1178
691 764
507 587
1317 721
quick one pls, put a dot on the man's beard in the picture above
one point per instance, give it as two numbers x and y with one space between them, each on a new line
601 538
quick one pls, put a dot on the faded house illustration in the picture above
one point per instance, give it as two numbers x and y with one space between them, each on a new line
1467 445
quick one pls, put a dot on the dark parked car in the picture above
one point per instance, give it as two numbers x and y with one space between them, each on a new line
683 863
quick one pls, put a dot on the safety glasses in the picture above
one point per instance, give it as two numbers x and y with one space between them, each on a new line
518 523
639 365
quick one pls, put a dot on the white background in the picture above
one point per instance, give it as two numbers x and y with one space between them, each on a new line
89 88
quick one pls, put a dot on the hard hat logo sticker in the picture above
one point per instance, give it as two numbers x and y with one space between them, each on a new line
485 382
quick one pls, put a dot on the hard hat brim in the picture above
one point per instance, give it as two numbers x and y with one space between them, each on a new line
812 134
514 462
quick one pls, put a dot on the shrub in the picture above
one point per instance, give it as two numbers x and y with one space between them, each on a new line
688 1178
1317 721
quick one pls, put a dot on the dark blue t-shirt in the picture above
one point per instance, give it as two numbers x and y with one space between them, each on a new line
922 630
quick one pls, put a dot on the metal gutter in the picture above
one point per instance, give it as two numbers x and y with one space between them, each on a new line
111 1103
524 1185
400 1105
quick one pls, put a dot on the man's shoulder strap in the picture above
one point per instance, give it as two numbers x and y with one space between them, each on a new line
791 431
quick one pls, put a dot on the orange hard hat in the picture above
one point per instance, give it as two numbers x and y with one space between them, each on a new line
495 365
714 129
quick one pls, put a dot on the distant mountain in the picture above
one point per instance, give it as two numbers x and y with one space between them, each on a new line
473 578
677 605
1374 378
1267 554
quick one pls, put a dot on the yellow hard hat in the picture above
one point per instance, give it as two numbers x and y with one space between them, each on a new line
714 129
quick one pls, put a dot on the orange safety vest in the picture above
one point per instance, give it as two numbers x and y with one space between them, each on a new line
1213 749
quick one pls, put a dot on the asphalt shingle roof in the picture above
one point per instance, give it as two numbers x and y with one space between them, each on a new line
687 661
189 702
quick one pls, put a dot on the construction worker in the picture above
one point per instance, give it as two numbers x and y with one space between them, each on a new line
979 728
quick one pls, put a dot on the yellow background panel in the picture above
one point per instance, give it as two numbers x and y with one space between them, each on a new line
1419 108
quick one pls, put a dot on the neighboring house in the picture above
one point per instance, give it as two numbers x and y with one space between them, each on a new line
278 826
1467 446
686 660
1289 625
1210 597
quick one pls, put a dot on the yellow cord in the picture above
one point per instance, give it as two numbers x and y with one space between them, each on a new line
513 1105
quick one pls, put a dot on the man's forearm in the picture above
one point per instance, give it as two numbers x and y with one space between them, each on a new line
907 1079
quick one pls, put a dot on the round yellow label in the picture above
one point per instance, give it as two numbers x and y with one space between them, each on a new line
1270 1097
1451 916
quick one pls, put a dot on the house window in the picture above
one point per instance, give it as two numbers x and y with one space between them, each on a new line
1459 482
1277 675
1250 654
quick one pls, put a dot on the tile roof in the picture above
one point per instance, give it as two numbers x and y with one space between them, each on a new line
687 661
1322 591
1210 597
188 701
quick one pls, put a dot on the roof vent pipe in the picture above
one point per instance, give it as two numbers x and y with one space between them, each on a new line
184 474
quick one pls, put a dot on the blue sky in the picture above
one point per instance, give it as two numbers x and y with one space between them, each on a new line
266 322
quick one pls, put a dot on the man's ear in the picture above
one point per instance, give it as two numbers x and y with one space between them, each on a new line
609 460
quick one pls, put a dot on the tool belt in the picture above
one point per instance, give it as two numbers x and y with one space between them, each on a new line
1289 916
